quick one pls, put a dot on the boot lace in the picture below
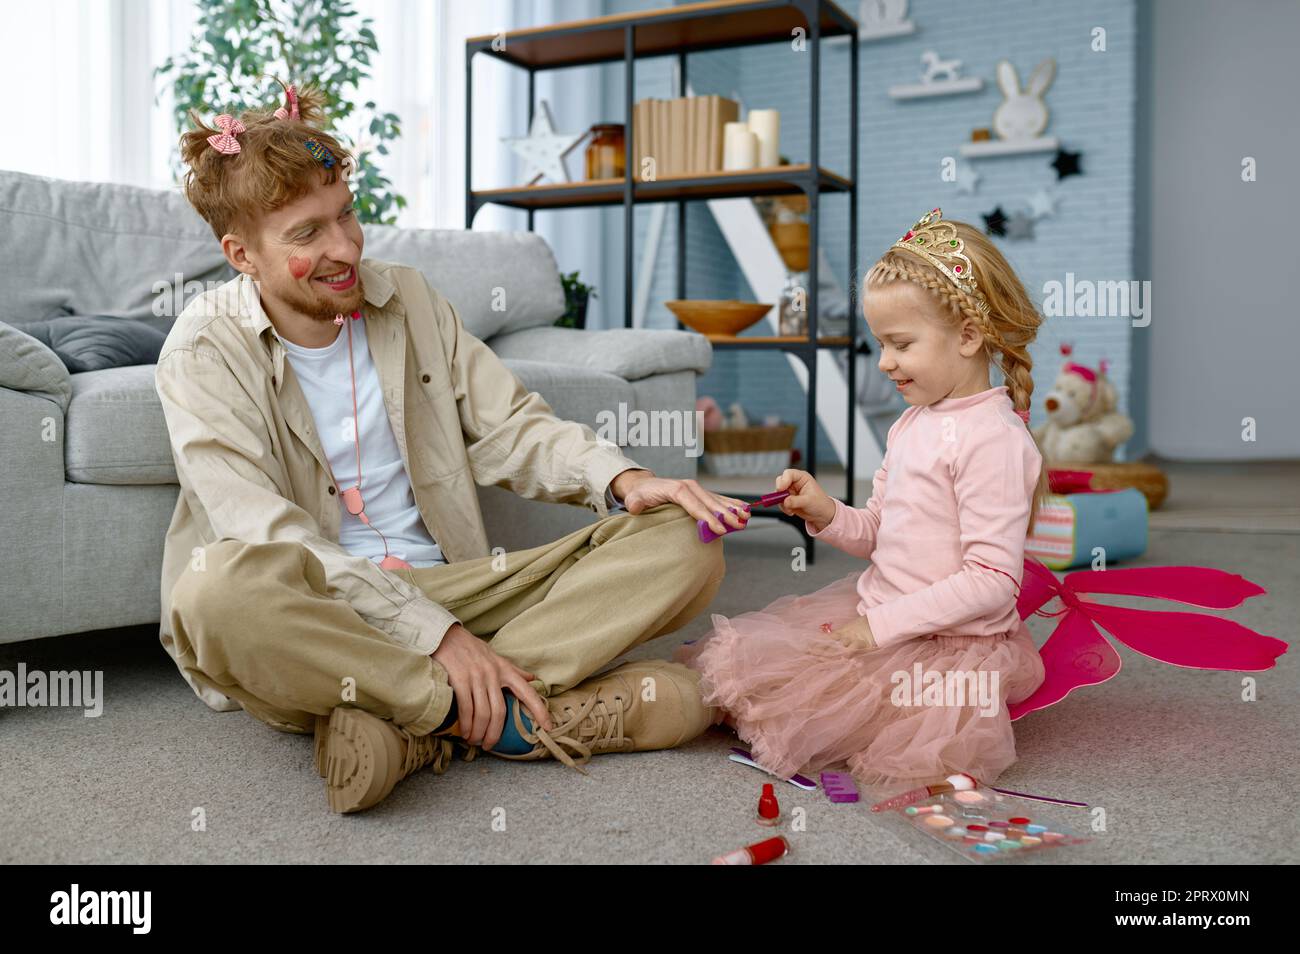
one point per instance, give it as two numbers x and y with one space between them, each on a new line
422 750
593 727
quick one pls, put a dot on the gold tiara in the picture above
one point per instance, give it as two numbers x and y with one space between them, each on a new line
936 241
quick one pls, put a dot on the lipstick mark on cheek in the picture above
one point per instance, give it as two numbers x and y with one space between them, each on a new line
299 266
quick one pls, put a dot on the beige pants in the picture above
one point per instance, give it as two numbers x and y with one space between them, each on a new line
258 624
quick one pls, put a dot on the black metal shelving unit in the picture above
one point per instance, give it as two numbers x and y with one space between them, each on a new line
678 31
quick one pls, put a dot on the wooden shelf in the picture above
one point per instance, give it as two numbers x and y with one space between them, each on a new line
678 31
688 28
776 180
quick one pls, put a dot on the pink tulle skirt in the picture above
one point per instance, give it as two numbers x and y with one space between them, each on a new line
805 703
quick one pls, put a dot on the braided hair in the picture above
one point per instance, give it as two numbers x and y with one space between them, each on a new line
1008 326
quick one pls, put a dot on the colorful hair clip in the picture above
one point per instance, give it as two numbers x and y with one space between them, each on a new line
319 152
225 141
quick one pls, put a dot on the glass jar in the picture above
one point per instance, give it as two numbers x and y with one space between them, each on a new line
792 316
605 153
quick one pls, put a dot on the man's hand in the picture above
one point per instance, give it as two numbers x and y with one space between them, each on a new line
640 490
807 499
477 676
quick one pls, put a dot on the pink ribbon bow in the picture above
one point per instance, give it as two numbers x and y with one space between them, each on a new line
291 98
1077 655
225 141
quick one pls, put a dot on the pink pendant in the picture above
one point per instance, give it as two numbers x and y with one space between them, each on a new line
352 500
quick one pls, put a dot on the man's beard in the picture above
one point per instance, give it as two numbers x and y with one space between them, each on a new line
325 306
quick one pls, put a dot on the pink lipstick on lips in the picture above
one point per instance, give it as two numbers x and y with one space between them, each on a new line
707 534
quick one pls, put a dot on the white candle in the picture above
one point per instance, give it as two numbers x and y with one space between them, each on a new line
739 147
766 125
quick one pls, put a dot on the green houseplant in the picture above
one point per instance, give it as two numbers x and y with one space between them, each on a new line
239 45
576 296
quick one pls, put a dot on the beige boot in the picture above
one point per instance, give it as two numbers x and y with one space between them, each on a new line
609 713
362 757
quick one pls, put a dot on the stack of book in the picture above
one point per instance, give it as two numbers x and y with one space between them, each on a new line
683 136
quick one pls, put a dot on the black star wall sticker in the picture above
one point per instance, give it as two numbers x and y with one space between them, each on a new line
995 222
1066 164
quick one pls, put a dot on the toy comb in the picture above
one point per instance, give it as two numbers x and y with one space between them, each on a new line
839 787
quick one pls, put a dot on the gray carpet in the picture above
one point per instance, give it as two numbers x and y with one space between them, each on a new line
1185 770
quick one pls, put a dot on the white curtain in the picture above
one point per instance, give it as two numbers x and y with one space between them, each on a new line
78 88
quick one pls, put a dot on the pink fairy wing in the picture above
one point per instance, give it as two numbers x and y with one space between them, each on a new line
1197 585
1037 585
1194 640
1074 655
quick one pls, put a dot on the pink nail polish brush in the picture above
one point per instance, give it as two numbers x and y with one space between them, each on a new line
707 533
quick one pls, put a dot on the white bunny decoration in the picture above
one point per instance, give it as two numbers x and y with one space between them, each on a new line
882 18
1023 114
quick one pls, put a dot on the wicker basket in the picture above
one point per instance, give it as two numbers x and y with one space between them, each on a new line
1111 476
748 450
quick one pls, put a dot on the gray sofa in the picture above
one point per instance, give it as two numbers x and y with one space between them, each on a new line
86 473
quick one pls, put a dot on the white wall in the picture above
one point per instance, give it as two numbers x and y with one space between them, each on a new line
1224 339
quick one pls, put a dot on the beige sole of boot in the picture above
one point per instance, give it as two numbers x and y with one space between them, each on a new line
318 744
360 761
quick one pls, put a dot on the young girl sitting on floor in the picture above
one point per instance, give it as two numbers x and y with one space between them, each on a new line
831 678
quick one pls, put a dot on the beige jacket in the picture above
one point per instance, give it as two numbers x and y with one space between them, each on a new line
251 467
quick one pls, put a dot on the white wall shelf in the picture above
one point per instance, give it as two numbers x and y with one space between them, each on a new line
1004 147
968 84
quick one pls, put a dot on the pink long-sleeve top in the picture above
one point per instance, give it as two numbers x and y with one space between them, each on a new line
945 526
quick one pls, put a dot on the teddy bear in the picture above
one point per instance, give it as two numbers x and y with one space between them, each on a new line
1082 423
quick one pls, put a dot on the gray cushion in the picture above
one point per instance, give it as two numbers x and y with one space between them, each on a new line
630 353
95 342
95 248
27 365
498 281
115 430
574 394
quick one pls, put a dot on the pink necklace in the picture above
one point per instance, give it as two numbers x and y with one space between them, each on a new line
352 498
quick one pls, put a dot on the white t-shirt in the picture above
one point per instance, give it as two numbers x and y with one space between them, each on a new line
326 381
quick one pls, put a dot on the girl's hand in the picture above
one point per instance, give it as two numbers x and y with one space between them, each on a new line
807 499
854 635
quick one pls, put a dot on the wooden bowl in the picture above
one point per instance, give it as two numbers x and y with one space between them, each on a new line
718 317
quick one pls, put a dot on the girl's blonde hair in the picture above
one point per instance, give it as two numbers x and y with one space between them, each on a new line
1009 326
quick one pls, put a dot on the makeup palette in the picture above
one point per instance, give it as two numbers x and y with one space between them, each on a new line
984 826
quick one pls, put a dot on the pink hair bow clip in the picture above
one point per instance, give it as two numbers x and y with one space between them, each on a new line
290 98
225 141
1077 655
1023 415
